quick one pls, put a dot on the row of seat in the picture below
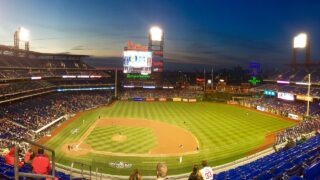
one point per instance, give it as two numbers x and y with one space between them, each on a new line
301 161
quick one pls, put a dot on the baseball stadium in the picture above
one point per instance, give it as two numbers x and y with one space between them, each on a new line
64 117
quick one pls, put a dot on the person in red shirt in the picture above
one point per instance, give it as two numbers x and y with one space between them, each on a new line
9 158
41 163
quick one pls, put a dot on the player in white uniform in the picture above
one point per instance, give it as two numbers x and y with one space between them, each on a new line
206 171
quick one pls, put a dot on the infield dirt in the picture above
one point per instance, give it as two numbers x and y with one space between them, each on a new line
170 140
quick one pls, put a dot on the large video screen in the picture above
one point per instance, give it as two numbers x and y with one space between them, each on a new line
137 62
286 96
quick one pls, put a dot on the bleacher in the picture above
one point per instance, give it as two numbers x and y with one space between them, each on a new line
299 162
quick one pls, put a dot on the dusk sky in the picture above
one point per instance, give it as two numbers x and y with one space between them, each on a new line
220 33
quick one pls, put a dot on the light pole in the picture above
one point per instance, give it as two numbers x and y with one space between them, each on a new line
308 94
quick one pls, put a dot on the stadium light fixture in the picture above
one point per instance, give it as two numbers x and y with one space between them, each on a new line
283 82
300 41
24 34
156 33
301 83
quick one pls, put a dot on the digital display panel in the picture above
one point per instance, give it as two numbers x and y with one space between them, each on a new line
286 96
269 93
137 62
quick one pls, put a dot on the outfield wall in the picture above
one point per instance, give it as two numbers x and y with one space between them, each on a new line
175 99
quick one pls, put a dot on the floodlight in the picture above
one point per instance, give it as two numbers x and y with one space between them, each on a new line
156 33
300 41
24 34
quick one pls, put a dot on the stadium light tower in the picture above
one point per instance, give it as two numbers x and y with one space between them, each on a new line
22 34
301 42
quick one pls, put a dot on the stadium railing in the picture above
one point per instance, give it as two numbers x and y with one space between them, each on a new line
82 165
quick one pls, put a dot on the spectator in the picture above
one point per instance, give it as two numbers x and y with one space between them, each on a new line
27 155
41 163
9 158
135 175
206 171
195 175
162 171
290 144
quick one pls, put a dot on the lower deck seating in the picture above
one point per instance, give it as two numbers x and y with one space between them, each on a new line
299 162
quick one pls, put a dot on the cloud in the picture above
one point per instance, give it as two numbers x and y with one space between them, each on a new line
80 48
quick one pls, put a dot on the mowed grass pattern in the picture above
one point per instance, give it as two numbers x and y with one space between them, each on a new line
225 133
139 140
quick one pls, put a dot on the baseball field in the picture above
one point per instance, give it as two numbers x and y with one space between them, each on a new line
127 135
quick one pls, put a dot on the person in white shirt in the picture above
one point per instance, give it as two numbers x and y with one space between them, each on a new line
206 171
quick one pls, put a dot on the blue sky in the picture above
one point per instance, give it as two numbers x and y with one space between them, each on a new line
220 33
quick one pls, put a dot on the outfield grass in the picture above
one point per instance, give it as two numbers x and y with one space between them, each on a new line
225 133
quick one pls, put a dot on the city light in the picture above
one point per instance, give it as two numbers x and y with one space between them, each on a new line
156 33
300 41
24 34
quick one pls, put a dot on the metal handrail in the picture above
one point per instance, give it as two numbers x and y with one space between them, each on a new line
18 174
82 170
97 170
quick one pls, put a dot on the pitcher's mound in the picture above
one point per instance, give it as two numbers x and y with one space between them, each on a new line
119 138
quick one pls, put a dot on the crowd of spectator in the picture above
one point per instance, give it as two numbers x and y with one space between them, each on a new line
298 75
20 88
24 86
204 173
298 131
12 67
27 74
9 129
36 112
282 107
160 93
14 61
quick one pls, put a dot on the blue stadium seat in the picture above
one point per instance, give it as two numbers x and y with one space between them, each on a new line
295 178
312 172
284 164
9 174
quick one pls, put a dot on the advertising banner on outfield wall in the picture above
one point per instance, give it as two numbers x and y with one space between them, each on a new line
261 108
176 99
293 116
162 99
150 99
137 99
192 100
185 100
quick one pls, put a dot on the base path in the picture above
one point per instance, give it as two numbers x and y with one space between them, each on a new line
170 140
